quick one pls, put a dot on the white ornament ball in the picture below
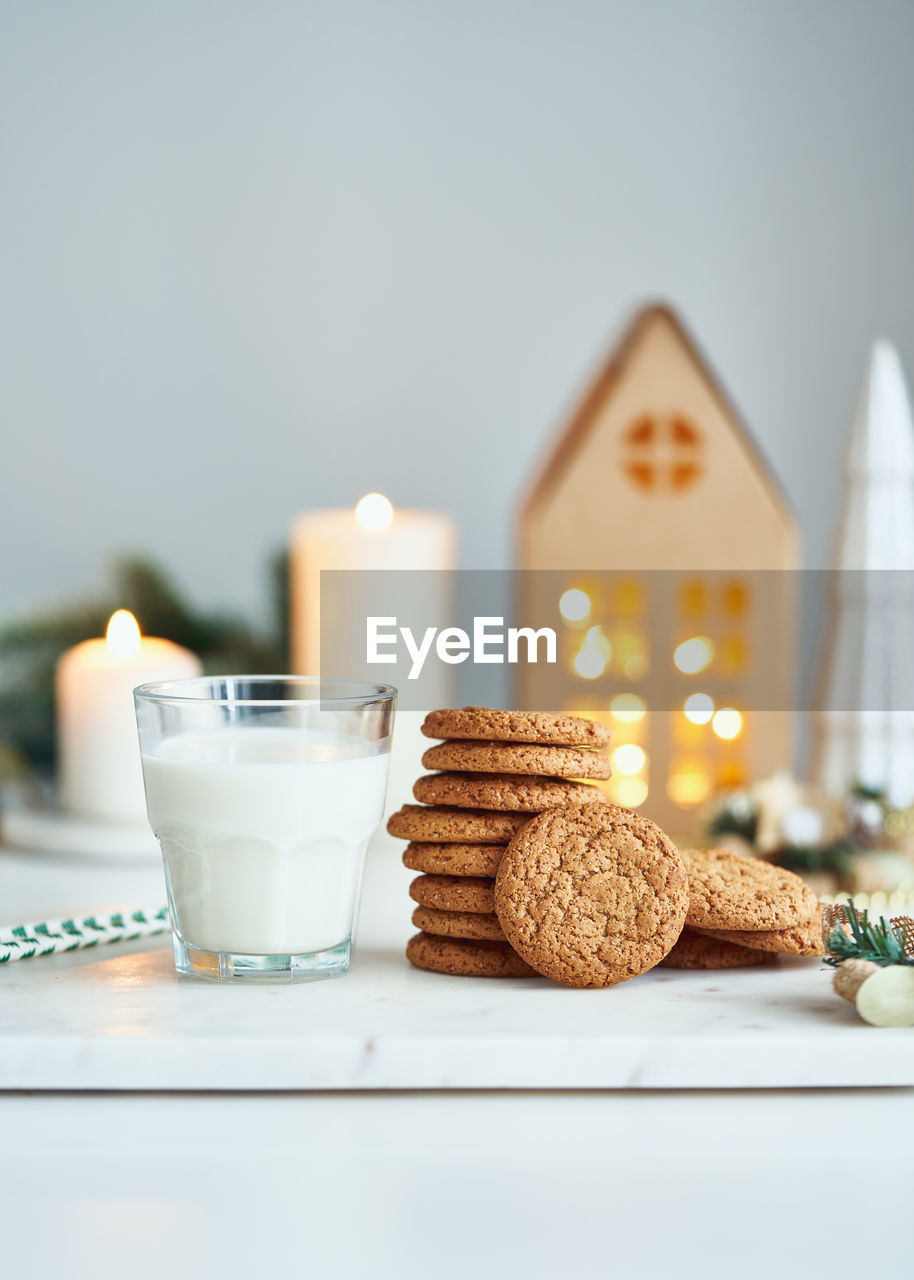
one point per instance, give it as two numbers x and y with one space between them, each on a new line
803 826
870 815
740 806
886 998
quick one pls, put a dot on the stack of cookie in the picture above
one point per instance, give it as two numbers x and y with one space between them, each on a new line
526 870
743 911
495 770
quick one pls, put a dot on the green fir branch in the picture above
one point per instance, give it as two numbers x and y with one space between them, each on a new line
836 857
727 823
880 942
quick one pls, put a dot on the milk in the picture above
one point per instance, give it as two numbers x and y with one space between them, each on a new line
263 832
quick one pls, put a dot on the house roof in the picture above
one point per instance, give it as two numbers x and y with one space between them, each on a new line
552 469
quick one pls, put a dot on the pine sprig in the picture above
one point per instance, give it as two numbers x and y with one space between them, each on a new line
881 942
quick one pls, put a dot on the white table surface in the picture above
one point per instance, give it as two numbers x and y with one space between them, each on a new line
119 1018
374 1182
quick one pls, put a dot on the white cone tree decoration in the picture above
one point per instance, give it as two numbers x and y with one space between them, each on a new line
865 731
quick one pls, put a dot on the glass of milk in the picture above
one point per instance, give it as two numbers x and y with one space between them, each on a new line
263 792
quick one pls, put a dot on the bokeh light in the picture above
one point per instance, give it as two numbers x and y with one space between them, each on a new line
688 788
699 708
727 723
628 708
628 758
597 639
630 792
574 605
693 655
589 664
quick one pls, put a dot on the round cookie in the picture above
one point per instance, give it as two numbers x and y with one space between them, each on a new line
466 959
513 791
437 824
454 859
453 893
698 951
730 891
488 724
804 940
591 895
459 924
516 757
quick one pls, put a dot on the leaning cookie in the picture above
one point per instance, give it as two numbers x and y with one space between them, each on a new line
437 824
511 791
453 859
510 757
803 940
698 951
488 724
453 893
459 924
591 895
466 959
730 891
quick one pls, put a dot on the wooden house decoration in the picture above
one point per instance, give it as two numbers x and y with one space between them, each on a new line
865 724
652 529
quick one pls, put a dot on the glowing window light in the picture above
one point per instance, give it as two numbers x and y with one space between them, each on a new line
630 792
736 598
688 788
734 653
574 605
628 598
693 599
693 655
589 664
699 708
628 708
627 644
727 723
629 758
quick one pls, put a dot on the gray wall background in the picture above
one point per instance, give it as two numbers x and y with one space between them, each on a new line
260 257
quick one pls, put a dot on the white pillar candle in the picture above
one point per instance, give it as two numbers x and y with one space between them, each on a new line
98 756
373 536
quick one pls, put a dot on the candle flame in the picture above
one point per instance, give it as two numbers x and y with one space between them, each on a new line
123 634
374 511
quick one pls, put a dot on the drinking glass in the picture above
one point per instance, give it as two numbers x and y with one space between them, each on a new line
263 792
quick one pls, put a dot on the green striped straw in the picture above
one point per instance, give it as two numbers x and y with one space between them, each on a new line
47 937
